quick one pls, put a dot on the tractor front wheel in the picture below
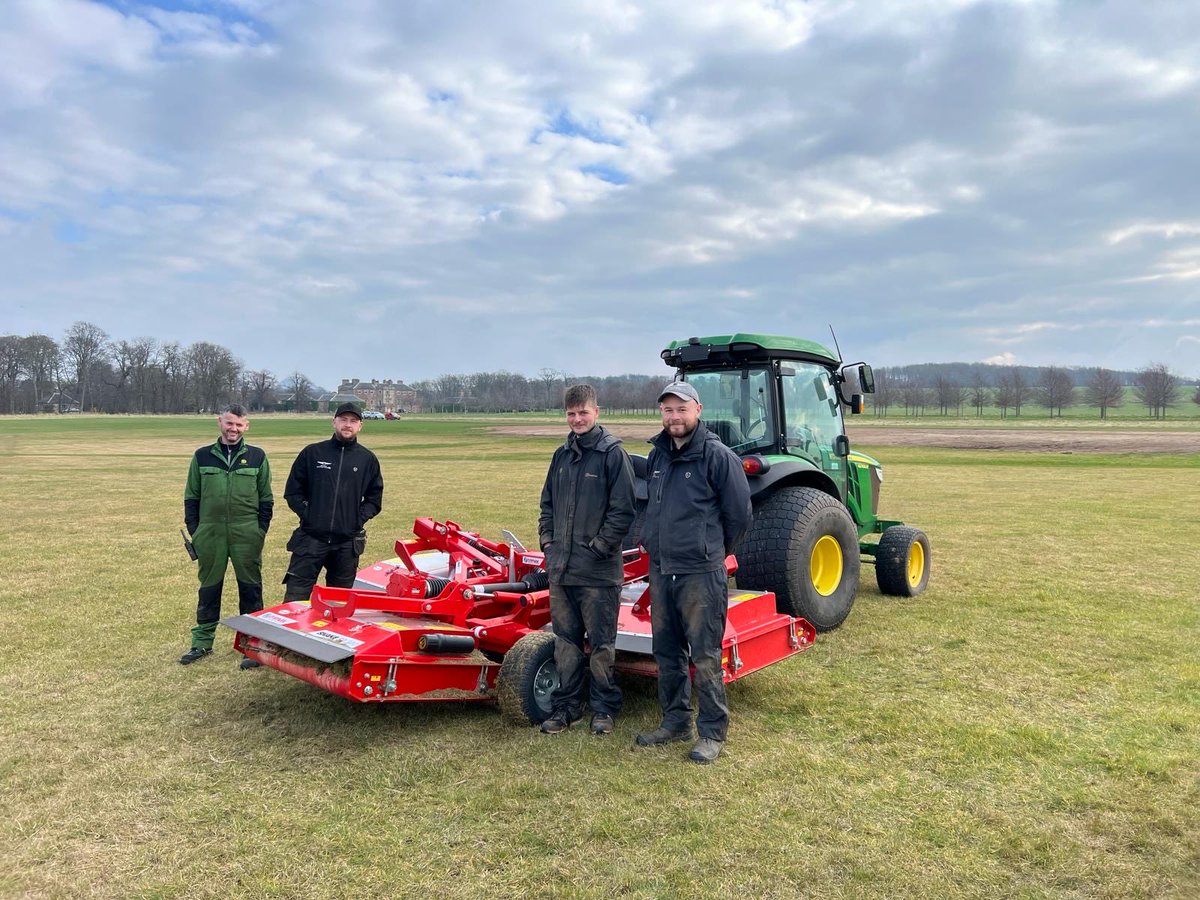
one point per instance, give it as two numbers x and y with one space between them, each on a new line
527 679
902 561
803 546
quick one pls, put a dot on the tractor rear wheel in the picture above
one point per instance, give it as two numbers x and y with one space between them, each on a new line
902 561
527 679
803 546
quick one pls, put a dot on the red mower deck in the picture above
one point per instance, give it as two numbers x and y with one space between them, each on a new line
455 616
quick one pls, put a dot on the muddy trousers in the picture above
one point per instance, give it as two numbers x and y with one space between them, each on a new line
687 613
574 611
216 546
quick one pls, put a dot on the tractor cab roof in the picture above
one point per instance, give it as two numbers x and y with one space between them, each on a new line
742 349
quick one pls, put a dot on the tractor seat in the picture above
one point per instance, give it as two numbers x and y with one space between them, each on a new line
727 431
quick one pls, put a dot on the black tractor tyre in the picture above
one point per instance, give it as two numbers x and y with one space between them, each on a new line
803 546
902 561
527 679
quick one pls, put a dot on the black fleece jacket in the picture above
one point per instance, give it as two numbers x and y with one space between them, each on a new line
335 487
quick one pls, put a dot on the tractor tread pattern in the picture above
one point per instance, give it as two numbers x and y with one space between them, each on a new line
891 561
773 555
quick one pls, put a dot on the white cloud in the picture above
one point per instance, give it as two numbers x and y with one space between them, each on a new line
949 177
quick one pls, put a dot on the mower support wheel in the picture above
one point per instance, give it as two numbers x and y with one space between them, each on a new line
902 561
803 546
527 679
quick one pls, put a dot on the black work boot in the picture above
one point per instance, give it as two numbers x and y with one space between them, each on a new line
194 654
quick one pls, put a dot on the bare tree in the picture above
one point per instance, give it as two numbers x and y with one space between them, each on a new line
1015 389
885 392
84 345
915 397
949 394
259 387
979 394
1196 396
301 390
1156 388
214 372
1055 389
41 362
1103 391
12 364
553 381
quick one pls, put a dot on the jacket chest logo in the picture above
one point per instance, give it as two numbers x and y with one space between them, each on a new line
321 464
687 474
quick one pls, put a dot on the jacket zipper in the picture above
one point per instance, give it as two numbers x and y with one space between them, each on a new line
337 483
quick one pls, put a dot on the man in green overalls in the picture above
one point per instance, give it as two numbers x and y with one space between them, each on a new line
227 507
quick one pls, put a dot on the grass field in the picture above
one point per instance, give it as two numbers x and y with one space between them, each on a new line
1030 727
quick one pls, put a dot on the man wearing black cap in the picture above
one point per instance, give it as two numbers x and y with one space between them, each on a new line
335 487
698 509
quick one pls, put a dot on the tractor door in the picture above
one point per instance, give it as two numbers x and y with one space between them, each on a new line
812 418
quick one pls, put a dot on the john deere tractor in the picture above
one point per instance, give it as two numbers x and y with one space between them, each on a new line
778 403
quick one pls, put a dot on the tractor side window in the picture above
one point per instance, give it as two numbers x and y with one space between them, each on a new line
812 413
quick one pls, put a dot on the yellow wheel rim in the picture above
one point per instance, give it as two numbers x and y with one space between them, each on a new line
916 564
825 565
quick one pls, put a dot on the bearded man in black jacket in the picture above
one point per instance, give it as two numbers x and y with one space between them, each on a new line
335 487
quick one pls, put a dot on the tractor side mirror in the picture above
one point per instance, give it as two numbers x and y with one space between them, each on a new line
857 405
853 381
841 446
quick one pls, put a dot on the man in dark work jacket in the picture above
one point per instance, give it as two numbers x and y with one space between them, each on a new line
335 487
587 509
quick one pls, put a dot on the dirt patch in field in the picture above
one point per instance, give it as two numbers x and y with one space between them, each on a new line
1039 440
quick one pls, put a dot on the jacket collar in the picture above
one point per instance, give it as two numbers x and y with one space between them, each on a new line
596 438
693 448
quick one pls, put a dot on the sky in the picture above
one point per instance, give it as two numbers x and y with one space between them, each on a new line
388 189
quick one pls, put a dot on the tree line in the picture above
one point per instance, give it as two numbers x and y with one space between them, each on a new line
88 370
919 390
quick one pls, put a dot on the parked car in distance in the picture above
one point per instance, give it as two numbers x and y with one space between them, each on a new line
372 414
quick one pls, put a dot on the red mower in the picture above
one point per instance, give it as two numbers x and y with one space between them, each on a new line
455 616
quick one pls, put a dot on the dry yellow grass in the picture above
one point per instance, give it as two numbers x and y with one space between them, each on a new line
1029 727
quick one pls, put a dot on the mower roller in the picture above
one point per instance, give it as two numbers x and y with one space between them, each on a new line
454 616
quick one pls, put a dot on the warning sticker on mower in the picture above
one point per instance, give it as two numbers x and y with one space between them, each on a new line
276 619
335 639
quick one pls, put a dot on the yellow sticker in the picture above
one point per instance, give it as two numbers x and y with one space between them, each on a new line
376 677
320 623
738 598
392 626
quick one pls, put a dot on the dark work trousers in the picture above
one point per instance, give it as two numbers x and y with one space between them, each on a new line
309 556
574 610
217 544
690 611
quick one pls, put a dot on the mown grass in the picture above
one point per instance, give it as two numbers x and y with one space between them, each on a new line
1027 728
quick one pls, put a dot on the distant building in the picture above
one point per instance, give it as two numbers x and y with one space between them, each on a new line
385 396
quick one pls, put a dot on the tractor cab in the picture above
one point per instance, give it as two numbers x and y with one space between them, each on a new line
778 402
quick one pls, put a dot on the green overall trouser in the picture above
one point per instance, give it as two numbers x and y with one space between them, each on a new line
216 545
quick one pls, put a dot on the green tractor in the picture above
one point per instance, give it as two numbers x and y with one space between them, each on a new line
778 403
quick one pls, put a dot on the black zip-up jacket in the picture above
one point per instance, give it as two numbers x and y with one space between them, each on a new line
335 486
587 509
699 503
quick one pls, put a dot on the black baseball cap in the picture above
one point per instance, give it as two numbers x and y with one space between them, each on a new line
348 409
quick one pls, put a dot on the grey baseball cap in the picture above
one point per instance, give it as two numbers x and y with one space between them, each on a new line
680 389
